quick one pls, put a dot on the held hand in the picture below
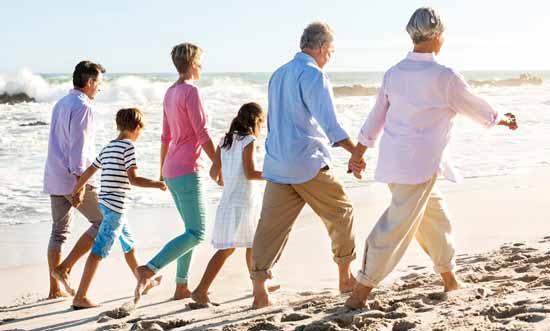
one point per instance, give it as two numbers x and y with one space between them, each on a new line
162 186
77 198
219 181
509 121
357 166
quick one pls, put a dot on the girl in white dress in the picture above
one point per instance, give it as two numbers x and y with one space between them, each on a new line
240 205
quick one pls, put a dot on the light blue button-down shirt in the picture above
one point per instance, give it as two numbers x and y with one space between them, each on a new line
301 122
71 146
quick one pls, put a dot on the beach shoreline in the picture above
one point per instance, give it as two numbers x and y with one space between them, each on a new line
486 212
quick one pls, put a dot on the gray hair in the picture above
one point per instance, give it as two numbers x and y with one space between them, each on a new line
315 35
425 24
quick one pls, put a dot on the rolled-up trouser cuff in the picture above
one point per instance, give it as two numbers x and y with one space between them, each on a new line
345 259
445 268
181 280
364 280
261 275
93 230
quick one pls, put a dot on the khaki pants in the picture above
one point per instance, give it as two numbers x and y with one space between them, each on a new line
281 205
415 211
62 211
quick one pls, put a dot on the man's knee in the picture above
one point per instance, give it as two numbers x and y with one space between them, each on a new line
57 239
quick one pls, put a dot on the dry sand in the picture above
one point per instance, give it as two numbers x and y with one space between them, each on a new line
503 241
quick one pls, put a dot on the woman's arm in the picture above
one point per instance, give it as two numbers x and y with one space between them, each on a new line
163 152
216 169
199 122
464 101
249 166
209 149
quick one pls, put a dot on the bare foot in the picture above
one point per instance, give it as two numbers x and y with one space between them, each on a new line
261 301
182 292
200 298
358 298
143 274
63 277
83 303
152 283
273 287
449 281
348 284
58 294
261 296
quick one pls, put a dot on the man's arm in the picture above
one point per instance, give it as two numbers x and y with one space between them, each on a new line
78 191
80 126
318 98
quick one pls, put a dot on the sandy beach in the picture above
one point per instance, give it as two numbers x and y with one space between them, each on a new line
503 244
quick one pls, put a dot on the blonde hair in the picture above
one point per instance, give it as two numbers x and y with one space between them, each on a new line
184 55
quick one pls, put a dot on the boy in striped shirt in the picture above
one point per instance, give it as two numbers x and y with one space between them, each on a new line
118 166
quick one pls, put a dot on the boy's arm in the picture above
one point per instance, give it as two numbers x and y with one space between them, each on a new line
78 192
249 167
142 181
216 169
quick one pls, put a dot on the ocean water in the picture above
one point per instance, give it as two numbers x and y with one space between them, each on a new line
477 152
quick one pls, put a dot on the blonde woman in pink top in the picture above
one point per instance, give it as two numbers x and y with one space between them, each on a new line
415 109
184 137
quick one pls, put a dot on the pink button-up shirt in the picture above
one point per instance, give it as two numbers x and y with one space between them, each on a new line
184 129
416 106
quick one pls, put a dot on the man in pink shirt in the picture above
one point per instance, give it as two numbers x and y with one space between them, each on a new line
416 106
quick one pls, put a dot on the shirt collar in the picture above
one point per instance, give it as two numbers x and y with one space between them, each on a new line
78 92
424 57
305 57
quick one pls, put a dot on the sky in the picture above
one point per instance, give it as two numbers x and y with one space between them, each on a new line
135 36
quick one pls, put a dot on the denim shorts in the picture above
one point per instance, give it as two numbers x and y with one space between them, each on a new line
113 226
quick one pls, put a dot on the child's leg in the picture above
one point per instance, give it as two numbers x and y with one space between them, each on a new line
80 300
109 230
127 242
200 294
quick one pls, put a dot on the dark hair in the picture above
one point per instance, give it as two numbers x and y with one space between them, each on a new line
245 123
84 71
129 119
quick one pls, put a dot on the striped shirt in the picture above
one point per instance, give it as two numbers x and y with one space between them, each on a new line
115 159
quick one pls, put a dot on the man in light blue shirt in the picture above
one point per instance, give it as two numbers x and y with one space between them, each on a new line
302 127
70 151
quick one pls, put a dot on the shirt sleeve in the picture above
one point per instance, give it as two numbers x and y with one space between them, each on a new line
464 101
318 97
97 162
197 116
80 129
130 158
371 129
166 135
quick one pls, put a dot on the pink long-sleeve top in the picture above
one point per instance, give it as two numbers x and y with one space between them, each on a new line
184 129
415 108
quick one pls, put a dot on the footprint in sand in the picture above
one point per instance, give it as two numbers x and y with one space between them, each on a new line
527 278
120 312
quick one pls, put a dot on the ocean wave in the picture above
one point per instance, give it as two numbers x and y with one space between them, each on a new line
121 88
355 91
524 79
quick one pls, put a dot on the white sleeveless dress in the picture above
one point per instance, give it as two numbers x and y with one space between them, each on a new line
240 205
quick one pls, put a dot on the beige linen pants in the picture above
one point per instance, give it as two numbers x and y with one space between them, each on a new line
281 205
62 216
415 211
